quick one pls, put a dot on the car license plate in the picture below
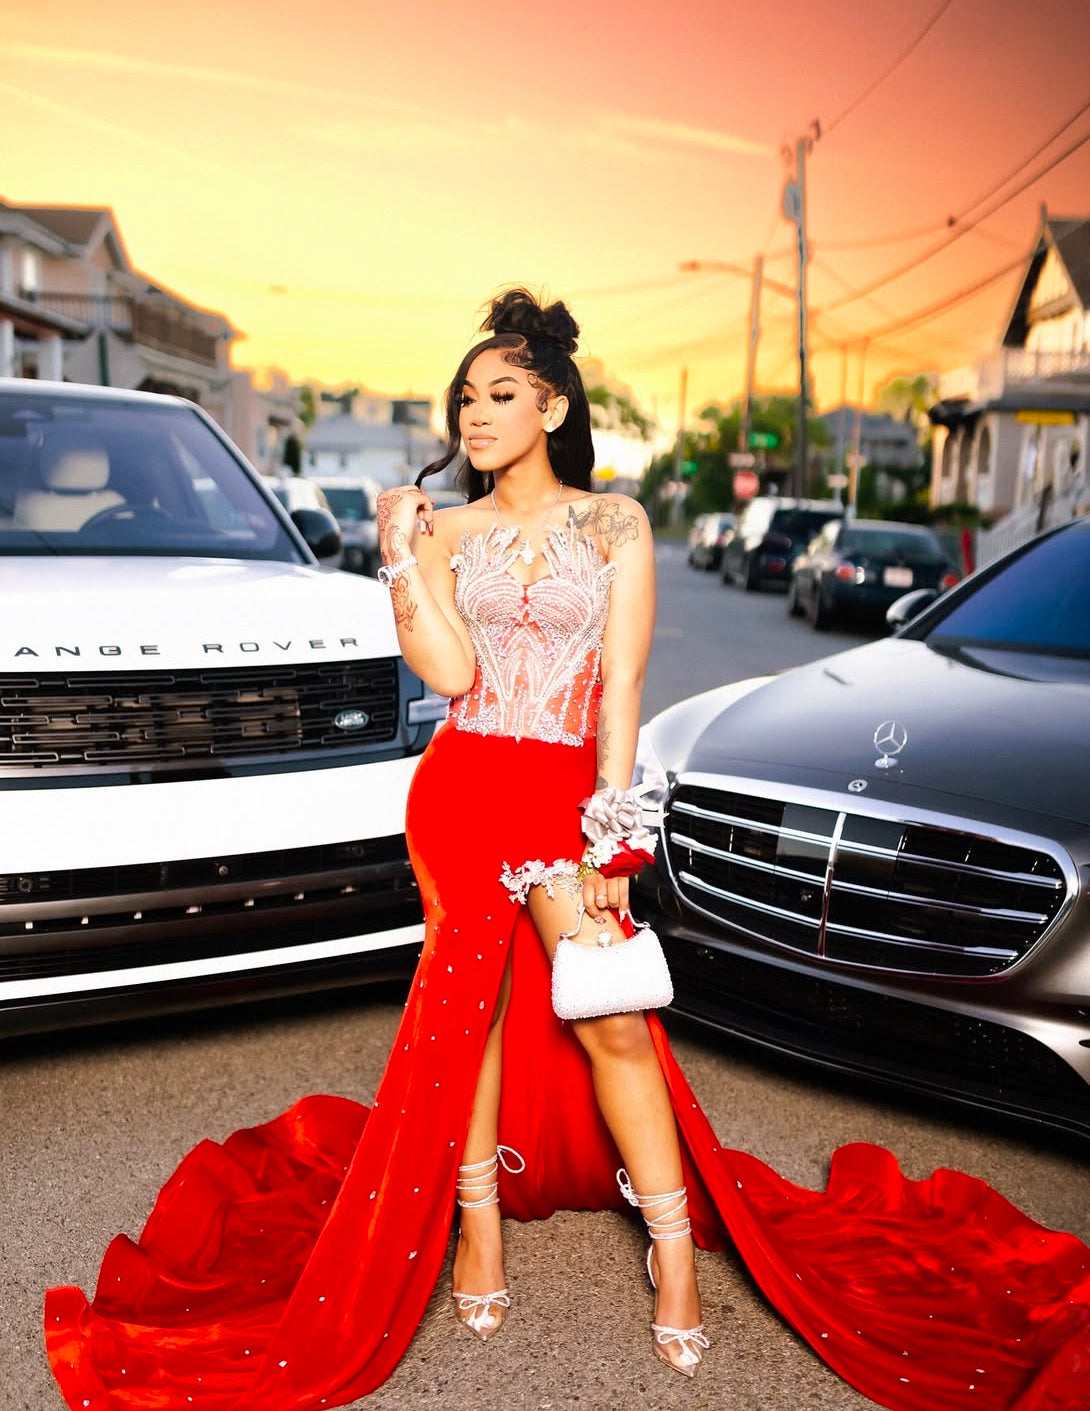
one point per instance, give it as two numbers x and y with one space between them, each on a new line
897 578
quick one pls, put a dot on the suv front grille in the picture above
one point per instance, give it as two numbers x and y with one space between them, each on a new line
153 718
907 896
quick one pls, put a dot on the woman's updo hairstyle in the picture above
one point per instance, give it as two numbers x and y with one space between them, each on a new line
516 311
540 340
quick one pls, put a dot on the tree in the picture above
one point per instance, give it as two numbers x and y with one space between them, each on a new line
712 486
908 398
612 406
308 405
293 453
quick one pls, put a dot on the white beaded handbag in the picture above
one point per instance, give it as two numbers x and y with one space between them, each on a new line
617 977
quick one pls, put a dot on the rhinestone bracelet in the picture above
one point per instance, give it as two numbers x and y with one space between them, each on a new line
388 572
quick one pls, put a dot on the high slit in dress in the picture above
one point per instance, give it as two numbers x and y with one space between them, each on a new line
289 1266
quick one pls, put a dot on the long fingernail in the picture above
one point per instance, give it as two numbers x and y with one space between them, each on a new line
601 920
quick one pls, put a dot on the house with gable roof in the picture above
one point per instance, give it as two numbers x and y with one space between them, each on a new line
73 307
1012 432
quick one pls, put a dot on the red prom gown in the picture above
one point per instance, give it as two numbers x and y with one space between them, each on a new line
289 1266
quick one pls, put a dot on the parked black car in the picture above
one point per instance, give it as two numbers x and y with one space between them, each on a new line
880 862
770 533
706 540
859 568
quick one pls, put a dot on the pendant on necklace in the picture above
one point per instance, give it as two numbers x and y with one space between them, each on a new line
526 554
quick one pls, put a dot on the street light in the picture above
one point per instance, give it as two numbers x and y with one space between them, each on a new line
724 267
758 275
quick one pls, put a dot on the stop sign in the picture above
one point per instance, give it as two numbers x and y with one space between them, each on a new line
746 484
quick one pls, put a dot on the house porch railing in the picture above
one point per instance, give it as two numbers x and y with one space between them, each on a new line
1023 523
146 321
1017 367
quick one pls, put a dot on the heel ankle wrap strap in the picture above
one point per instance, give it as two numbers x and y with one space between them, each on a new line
672 1224
479 1180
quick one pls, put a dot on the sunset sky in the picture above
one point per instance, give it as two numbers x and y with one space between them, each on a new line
349 182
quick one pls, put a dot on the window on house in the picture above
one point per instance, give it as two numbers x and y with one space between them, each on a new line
984 454
29 274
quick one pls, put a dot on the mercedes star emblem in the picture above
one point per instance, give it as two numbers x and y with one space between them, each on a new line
891 737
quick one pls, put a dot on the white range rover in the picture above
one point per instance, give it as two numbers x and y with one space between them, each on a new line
206 740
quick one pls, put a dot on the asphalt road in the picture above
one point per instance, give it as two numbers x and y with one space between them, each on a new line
94 1124
707 633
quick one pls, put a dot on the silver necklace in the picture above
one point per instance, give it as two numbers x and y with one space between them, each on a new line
526 553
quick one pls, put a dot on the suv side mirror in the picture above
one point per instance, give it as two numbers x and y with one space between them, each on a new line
909 606
320 531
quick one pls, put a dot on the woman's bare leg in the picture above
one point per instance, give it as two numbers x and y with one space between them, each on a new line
633 1099
478 1257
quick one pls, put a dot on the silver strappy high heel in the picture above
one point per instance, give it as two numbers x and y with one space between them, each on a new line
478 1182
682 1349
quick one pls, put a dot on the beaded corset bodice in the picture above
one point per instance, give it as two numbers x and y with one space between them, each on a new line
538 645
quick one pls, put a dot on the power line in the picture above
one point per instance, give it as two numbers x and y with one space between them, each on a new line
821 264
870 242
657 311
637 287
937 309
896 64
913 264
1021 165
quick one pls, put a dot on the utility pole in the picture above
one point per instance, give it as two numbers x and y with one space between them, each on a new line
794 208
751 354
855 460
842 427
679 451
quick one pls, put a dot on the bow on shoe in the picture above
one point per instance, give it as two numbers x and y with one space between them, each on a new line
683 1337
478 1306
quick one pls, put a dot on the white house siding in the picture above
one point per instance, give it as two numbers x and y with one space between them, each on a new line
387 465
1054 458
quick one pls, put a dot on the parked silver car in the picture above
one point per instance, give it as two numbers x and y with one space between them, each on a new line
706 539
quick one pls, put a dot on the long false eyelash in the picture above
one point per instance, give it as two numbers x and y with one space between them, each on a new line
464 401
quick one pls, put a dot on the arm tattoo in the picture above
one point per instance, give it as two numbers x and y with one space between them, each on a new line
403 603
603 753
393 541
608 520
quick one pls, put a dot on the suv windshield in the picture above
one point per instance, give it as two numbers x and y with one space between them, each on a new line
1038 603
84 475
348 502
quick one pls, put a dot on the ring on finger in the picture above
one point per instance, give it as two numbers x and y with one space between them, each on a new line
601 899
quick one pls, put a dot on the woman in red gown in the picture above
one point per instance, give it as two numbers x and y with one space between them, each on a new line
288 1268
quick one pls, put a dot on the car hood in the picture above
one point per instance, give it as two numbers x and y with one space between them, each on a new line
114 614
971 733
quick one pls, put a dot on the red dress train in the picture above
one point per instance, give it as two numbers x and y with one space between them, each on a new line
289 1267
